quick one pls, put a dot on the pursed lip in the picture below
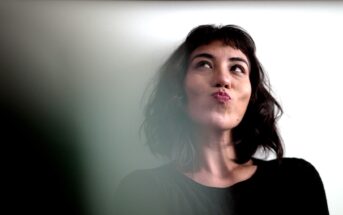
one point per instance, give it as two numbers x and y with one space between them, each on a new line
221 96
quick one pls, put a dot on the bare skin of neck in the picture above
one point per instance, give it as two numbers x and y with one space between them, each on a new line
217 167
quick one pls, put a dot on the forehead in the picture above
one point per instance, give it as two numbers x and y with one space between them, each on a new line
218 49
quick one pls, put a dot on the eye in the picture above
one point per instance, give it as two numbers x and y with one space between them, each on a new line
203 65
238 69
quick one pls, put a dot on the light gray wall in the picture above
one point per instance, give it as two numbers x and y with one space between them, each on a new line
104 55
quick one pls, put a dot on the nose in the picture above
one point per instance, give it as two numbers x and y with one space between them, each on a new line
221 78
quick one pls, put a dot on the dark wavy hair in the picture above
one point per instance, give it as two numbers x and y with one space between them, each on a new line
167 125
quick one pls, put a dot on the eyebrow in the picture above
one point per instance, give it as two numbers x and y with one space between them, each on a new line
206 55
239 59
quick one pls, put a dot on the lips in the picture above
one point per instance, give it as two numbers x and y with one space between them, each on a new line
221 96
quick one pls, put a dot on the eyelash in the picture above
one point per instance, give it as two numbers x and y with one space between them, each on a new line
239 67
201 64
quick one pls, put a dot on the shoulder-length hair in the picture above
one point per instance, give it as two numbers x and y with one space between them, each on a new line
167 125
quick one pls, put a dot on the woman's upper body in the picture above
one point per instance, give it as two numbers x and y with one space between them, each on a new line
210 111
290 186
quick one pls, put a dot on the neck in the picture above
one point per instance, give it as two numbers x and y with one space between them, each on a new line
215 165
216 152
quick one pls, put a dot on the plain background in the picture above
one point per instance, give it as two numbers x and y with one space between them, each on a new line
92 62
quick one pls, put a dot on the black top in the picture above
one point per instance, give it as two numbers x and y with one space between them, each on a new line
290 186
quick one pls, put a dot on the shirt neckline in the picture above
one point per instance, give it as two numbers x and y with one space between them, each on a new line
249 180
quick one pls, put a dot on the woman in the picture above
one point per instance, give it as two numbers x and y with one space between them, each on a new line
210 112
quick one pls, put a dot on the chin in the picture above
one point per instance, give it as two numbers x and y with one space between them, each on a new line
220 123
224 126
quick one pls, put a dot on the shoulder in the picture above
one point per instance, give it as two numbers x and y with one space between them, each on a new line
144 178
295 180
141 190
285 164
294 163
294 172
289 170
298 165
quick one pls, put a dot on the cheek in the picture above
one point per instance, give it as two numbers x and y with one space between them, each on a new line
244 100
245 93
246 96
195 89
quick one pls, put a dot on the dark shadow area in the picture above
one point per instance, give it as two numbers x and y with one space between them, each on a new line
42 174
40 154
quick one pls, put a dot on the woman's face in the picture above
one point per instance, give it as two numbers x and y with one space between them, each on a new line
217 86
